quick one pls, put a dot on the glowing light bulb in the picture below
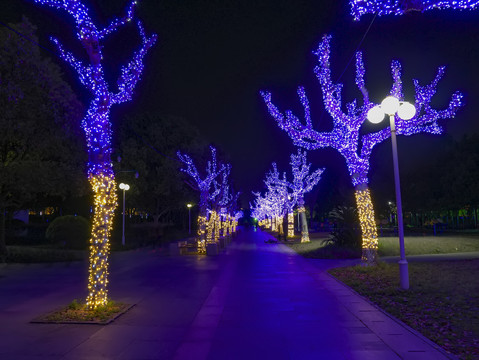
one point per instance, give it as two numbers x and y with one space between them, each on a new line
406 111
375 115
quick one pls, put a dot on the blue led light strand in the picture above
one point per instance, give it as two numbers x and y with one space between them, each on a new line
400 7
345 136
98 129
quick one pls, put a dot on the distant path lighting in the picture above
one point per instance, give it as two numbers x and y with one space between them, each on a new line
405 111
124 187
189 217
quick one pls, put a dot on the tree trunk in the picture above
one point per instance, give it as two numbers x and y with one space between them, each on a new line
304 225
280 226
102 180
3 244
304 222
290 224
104 190
368 224
211 228
201 232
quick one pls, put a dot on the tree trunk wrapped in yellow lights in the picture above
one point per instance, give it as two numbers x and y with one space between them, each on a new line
368 224
201 234
290 224
104 190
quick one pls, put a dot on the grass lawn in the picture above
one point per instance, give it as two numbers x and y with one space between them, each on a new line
418 245
389 246
442 302
317 249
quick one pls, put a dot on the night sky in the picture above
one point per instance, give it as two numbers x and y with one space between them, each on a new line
213 57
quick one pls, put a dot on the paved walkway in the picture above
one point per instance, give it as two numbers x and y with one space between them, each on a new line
254 301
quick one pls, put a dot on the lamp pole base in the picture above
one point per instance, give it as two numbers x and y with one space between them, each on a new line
403 274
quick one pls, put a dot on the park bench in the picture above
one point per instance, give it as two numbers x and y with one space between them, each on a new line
183 247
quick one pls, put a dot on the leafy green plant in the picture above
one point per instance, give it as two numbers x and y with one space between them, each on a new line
347 233
70 231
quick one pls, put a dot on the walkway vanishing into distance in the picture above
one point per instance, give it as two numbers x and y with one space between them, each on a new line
253 301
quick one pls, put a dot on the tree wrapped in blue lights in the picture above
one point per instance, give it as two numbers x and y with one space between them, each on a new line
303 182
218 201
97 126
203 186
400 7
345 136
282 195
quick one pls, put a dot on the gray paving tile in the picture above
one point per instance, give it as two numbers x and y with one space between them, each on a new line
253 301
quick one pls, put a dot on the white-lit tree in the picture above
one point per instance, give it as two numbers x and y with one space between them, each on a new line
97 125
345 135
303 182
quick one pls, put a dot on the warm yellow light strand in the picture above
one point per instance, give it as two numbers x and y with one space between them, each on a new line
368 226
217 227
290 224
105 199
201 234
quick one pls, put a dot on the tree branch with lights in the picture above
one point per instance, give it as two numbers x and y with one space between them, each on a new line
400 7
97 127
345 135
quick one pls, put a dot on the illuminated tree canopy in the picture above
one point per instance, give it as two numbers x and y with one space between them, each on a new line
282 195
346 138
97 126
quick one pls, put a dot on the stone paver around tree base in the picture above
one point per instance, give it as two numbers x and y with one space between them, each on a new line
252 301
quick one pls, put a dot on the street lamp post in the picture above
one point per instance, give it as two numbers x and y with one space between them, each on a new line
405 111
123 187
189 217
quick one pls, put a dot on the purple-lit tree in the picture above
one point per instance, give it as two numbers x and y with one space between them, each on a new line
345 136
233 214
97 126
303 182
400 7
203 186
276 202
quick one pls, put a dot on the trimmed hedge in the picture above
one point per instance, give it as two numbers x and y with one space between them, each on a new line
69 231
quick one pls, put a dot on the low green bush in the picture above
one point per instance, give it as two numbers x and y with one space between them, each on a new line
69 231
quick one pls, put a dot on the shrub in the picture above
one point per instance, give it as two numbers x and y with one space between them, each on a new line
72 232
346 234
